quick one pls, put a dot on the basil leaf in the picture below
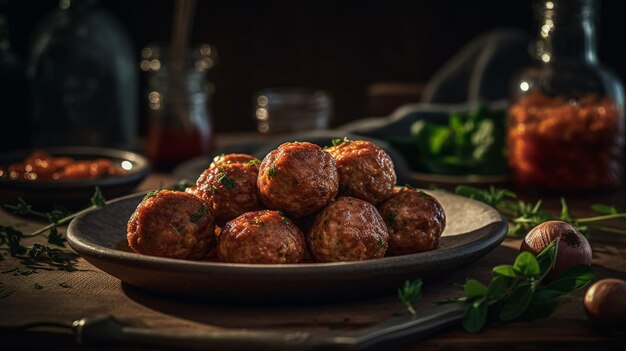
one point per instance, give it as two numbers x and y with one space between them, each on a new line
574 278
498 287
474 288
517 303
547 257
527 265
505 270
475 316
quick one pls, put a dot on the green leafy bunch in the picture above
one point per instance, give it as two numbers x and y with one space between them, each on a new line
516 291
471 143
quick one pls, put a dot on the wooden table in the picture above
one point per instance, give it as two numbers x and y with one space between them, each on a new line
58 296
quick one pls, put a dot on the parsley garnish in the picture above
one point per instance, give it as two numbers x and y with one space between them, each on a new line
253 163
339 141
228 182
213 188
410 293
272 171
151 194
182 185
196 216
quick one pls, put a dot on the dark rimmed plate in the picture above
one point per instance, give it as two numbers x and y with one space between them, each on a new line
73 194
473 229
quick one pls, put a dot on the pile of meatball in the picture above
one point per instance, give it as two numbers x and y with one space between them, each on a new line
301 203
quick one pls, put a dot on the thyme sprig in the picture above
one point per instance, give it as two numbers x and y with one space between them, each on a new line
40 256
523 216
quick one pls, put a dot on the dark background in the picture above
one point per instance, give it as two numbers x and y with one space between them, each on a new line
340 46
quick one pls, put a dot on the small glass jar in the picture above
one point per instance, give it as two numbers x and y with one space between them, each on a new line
280 110
566 118
178 99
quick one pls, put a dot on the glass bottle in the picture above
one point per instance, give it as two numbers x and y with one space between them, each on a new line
83 78
178 100
566 118
292 109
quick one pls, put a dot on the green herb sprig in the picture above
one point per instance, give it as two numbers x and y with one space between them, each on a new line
40 256
410 293
516 291
523 216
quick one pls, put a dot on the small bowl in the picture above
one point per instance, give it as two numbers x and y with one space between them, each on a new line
72 194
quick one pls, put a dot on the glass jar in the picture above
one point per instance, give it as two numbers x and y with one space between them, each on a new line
178 99
566 118
83 79
292 109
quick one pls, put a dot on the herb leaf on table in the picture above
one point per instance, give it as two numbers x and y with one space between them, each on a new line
410 293
516 291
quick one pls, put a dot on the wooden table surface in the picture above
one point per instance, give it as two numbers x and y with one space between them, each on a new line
67 296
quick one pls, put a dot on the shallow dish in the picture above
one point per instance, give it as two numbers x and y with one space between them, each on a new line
99 236
73 194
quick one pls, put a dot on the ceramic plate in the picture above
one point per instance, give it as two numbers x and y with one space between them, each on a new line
472 230
73 194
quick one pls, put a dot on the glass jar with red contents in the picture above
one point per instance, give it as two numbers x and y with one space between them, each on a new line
178 98
566 118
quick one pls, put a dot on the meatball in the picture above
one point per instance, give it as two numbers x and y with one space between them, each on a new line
261 237
230 189
226 159
172 224
298 178
348 229
415 221
365 170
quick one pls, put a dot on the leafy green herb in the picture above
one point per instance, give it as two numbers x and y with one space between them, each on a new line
391 216
182 185
228 182
213 188
253 163
515 291
339 141
523 216
38 255
410 293
196 216
151 194
472 143
272 171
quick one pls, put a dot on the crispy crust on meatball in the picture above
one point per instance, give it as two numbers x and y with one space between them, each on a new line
261 237
415 221
230 190
226 159
172 224
298 178
365 170
348 229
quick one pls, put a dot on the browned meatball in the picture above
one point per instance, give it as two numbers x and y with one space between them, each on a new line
348 229
172 224
225 159
298 178
415 221
261 237
365 170
230 189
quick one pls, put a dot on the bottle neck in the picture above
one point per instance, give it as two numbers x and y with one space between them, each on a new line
567 31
